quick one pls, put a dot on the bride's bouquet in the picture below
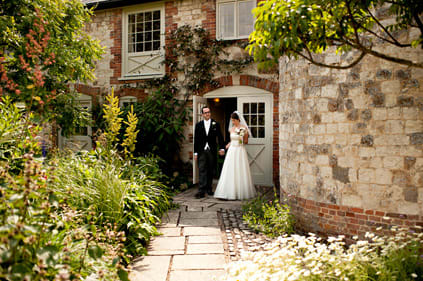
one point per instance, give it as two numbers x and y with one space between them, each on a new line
241 133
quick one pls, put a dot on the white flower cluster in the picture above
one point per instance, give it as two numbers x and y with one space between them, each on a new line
310 258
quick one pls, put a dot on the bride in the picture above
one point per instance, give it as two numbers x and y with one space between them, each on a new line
235 181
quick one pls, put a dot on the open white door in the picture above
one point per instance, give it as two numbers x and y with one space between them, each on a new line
257 112
197 104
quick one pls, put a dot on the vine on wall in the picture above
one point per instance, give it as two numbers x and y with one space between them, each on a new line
192 60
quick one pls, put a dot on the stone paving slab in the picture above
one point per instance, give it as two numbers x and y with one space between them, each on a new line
214 261
150 268
195 275
161 243
169 231
199 222
193 249
210 239
201 231
199 215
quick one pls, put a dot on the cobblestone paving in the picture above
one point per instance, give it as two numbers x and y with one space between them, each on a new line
239 236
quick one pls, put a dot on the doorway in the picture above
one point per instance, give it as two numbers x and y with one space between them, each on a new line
256 106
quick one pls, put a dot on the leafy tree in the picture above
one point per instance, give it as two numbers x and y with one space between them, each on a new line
302 28
43 48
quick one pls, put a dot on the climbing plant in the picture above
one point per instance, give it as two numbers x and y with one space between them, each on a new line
193 58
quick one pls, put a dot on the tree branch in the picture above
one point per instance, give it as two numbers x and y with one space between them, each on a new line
394 40
310 59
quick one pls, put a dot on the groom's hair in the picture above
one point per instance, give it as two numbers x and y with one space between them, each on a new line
234 116
202 109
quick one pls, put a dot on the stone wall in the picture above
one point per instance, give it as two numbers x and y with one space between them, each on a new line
351 144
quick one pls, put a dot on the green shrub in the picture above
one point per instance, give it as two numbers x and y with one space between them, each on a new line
41 237
115 192
268 216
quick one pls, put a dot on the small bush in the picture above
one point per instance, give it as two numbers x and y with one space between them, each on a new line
268 216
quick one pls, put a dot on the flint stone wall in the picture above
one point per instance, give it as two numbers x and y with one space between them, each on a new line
351 144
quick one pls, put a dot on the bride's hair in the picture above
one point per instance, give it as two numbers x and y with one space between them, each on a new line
234 116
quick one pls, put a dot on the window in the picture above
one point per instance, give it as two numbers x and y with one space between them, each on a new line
235 19
127 101
143 42
254 114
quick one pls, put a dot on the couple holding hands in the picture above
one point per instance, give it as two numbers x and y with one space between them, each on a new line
235 182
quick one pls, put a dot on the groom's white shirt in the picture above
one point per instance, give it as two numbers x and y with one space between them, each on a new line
207 127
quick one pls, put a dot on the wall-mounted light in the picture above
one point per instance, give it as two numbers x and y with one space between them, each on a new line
216 100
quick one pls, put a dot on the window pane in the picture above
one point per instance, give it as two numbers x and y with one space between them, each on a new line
147 46
253 120
156 25
156 35
131 48
131 28
246 108
140 37
148 36
261 120
131 19
156 15
156 45
261 132
254 108
139 48
131 38
140 27
261 107
148 16
148 26
245 17
227 20
254 131
140 17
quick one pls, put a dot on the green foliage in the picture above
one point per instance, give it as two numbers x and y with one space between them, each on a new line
268 216
130 132
194 53
17 136
115 192
162 118
43 47
300 28
41 237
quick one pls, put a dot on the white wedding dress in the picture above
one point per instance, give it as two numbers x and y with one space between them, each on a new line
235 182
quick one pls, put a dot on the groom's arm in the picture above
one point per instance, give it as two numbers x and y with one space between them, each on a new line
220 138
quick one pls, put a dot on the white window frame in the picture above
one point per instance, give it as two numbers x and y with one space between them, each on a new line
219 34
125 55
125 99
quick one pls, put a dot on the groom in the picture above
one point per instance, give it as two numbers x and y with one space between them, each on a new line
205 149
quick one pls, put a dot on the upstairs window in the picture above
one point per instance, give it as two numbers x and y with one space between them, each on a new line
143 41
235 19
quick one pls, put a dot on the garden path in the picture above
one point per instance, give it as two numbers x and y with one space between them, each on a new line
198 240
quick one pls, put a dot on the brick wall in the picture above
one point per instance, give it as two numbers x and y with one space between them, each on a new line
351 144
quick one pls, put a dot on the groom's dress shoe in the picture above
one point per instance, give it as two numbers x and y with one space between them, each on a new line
211 193
199 195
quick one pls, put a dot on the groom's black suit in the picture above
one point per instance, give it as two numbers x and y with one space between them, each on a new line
207 157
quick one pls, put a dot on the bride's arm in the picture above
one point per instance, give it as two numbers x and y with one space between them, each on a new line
245 137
